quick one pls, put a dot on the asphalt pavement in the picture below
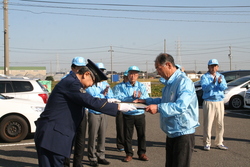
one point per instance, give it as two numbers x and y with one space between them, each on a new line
236 138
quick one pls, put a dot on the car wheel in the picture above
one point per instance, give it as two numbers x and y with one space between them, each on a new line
236 102
13 129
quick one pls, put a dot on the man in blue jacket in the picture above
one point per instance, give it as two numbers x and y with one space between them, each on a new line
119 116
98 123
128 92
63 113
178 110
213 85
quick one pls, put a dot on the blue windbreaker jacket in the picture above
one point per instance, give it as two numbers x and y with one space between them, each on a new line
97 91
213 91
124 92
178 107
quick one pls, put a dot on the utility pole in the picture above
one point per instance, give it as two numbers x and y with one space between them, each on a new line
165 46
6 37
195 67
111 51
57 64
178 53
230 57
50 68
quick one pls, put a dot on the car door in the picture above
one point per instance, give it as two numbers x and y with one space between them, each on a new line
6 88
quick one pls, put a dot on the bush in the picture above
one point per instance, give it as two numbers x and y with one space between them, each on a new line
49 78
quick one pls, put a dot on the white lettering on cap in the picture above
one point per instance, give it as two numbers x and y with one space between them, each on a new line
80 60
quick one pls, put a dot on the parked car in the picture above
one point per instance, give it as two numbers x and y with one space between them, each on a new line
229 76
234 94
23 87
247 97
17 117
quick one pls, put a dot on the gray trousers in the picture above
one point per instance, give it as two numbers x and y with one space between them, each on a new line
97 133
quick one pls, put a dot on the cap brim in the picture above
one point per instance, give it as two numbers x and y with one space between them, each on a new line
99 75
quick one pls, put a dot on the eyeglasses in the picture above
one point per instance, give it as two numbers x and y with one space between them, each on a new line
135 74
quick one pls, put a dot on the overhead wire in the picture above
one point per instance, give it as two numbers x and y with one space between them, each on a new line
129 10
130 52
129 5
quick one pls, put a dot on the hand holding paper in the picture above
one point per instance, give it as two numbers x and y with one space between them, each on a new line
123 107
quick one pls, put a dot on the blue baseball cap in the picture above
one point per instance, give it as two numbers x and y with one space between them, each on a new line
213 62
133 68
125 73
79 61
100 66
178 66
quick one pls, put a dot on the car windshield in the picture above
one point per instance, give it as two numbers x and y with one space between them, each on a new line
238 81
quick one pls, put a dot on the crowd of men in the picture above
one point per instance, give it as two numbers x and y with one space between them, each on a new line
80 101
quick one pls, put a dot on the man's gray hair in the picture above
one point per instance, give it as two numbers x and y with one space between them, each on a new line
163 58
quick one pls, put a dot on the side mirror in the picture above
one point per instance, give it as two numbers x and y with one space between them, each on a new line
248 86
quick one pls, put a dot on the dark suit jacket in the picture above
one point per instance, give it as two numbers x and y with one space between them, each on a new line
57 124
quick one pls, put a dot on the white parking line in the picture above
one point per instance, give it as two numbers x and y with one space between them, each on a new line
19 144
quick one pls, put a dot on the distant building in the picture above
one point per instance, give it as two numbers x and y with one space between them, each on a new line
27 71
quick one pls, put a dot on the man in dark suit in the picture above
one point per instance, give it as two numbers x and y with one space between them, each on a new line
57 124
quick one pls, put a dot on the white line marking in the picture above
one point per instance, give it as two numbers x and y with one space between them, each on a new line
20 144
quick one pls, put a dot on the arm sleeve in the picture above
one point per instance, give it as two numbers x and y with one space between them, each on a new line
185 97
87 100
206 84
223 85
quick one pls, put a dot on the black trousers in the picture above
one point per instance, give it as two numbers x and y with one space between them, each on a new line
119 130
139 122
179 150
80 144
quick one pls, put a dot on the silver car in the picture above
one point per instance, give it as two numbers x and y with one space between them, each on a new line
234 95
247 98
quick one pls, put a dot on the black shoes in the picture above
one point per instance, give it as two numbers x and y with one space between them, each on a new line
93 163
103 161
100 161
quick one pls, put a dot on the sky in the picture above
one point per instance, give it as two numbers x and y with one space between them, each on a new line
123 33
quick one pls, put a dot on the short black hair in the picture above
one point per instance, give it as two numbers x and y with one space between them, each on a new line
162 58
83 70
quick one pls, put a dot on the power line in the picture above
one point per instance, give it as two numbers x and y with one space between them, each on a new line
135 18
144 11
129 5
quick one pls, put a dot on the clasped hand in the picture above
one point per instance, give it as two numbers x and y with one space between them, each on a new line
219 79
